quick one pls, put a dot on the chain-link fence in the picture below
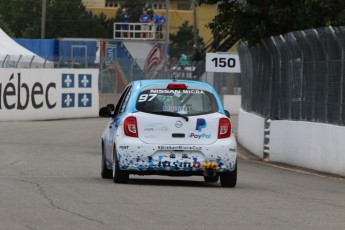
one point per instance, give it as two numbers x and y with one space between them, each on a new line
296 76
117 70
114 77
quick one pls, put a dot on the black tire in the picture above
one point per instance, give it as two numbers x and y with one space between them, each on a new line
211 179
105 172
229 179
119 176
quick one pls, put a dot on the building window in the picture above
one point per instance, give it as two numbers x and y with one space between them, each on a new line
158 6
111 3
184 6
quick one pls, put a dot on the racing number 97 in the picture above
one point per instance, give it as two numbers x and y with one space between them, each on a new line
224 62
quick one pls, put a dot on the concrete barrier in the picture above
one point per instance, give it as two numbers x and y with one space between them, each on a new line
108 98
251 132
309 145
232 103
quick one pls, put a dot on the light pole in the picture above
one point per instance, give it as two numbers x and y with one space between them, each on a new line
194 24
166 47
43 20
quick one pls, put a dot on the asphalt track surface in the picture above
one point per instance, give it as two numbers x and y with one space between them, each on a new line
50 179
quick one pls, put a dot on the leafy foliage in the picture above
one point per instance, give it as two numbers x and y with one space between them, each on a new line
64 18
252 20
5 26
134 10
20 15
182 41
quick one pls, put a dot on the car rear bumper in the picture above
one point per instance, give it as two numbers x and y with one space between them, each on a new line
137 157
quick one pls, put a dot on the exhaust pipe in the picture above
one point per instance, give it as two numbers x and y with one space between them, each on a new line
210 173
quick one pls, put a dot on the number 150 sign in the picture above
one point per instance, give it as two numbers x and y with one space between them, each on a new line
223 62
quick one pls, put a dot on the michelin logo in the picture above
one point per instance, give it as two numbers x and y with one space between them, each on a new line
71 99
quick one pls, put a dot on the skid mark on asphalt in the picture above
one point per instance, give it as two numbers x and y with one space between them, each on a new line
13 163
51 202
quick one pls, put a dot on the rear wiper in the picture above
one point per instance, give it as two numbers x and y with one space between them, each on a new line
173 114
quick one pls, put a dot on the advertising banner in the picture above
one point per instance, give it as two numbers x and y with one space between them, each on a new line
45 94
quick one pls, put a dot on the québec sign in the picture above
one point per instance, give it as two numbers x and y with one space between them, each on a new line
19 96
223 62
43 94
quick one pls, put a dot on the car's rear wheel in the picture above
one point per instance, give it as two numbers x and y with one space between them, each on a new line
211 179
119 176
105 173
229 179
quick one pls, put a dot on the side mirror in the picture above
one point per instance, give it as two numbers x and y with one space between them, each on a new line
111 106
105 112
227 113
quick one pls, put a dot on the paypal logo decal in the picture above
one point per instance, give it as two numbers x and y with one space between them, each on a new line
200 124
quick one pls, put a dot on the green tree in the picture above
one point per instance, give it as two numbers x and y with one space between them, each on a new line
183 41
64 18
67 18
134 10
21 15
4 26
252 20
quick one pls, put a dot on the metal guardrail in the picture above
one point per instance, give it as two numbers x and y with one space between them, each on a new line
137 31
22 61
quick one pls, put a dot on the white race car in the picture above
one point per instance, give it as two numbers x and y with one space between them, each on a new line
169 127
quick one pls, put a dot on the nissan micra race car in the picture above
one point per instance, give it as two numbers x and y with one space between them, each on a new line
169 127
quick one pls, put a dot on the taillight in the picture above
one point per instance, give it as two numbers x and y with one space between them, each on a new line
130 127
176 86
224 129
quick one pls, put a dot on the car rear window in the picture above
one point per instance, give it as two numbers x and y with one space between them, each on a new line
183 101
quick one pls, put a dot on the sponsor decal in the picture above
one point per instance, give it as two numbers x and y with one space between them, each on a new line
179 147
200 124
171 91
150 136
209 165
177 164
177 108
156 127
124 147
200 136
